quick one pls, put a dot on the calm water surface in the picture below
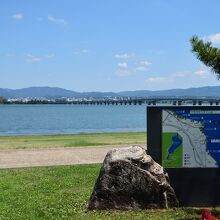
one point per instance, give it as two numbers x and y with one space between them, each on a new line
70 119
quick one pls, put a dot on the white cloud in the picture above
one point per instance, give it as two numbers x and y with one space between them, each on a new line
32 59
145 63
200 73
180 74
122 73
123 65
187 74
18 16
122 56
184 79
155 79
215 38
125 71
135 65
83 51
57 20
141 69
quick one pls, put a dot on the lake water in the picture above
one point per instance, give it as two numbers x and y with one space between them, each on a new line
70 119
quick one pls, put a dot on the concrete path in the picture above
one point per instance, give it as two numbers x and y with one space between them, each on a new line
53 156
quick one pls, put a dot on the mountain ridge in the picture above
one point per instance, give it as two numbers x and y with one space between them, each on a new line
56 92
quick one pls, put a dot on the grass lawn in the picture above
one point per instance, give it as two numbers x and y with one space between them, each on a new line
62 193
72 140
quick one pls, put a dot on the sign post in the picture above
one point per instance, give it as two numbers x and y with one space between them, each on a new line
185 140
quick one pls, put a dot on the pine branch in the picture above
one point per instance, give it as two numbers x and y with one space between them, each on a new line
209 55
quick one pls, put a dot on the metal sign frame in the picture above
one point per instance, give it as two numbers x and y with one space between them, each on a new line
193 186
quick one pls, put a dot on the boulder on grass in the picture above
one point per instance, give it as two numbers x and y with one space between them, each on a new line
131 179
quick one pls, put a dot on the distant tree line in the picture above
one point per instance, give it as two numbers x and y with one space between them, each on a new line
3 100
32 101
29 102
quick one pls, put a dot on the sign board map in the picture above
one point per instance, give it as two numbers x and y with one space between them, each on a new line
190 138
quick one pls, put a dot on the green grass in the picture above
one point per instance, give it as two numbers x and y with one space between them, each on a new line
62 193
176 158
73 140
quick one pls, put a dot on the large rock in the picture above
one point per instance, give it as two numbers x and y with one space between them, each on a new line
131 179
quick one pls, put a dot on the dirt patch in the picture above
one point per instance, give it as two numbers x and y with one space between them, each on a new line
54 156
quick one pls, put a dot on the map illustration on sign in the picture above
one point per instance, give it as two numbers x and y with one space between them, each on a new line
190 138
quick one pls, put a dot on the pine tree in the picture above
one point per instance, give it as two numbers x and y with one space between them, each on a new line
206 53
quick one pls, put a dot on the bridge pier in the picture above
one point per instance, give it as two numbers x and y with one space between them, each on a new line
149 101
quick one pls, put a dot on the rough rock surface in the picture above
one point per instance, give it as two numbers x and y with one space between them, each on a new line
131 179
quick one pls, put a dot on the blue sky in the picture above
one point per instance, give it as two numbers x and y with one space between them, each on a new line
105 45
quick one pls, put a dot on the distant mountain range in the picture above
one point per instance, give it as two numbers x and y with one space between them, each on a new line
55 92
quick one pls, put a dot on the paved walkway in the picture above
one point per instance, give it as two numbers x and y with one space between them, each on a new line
53 156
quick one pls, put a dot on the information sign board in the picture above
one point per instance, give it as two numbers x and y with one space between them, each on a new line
185 140
190 138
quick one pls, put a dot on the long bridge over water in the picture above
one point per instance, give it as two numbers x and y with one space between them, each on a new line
150 101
